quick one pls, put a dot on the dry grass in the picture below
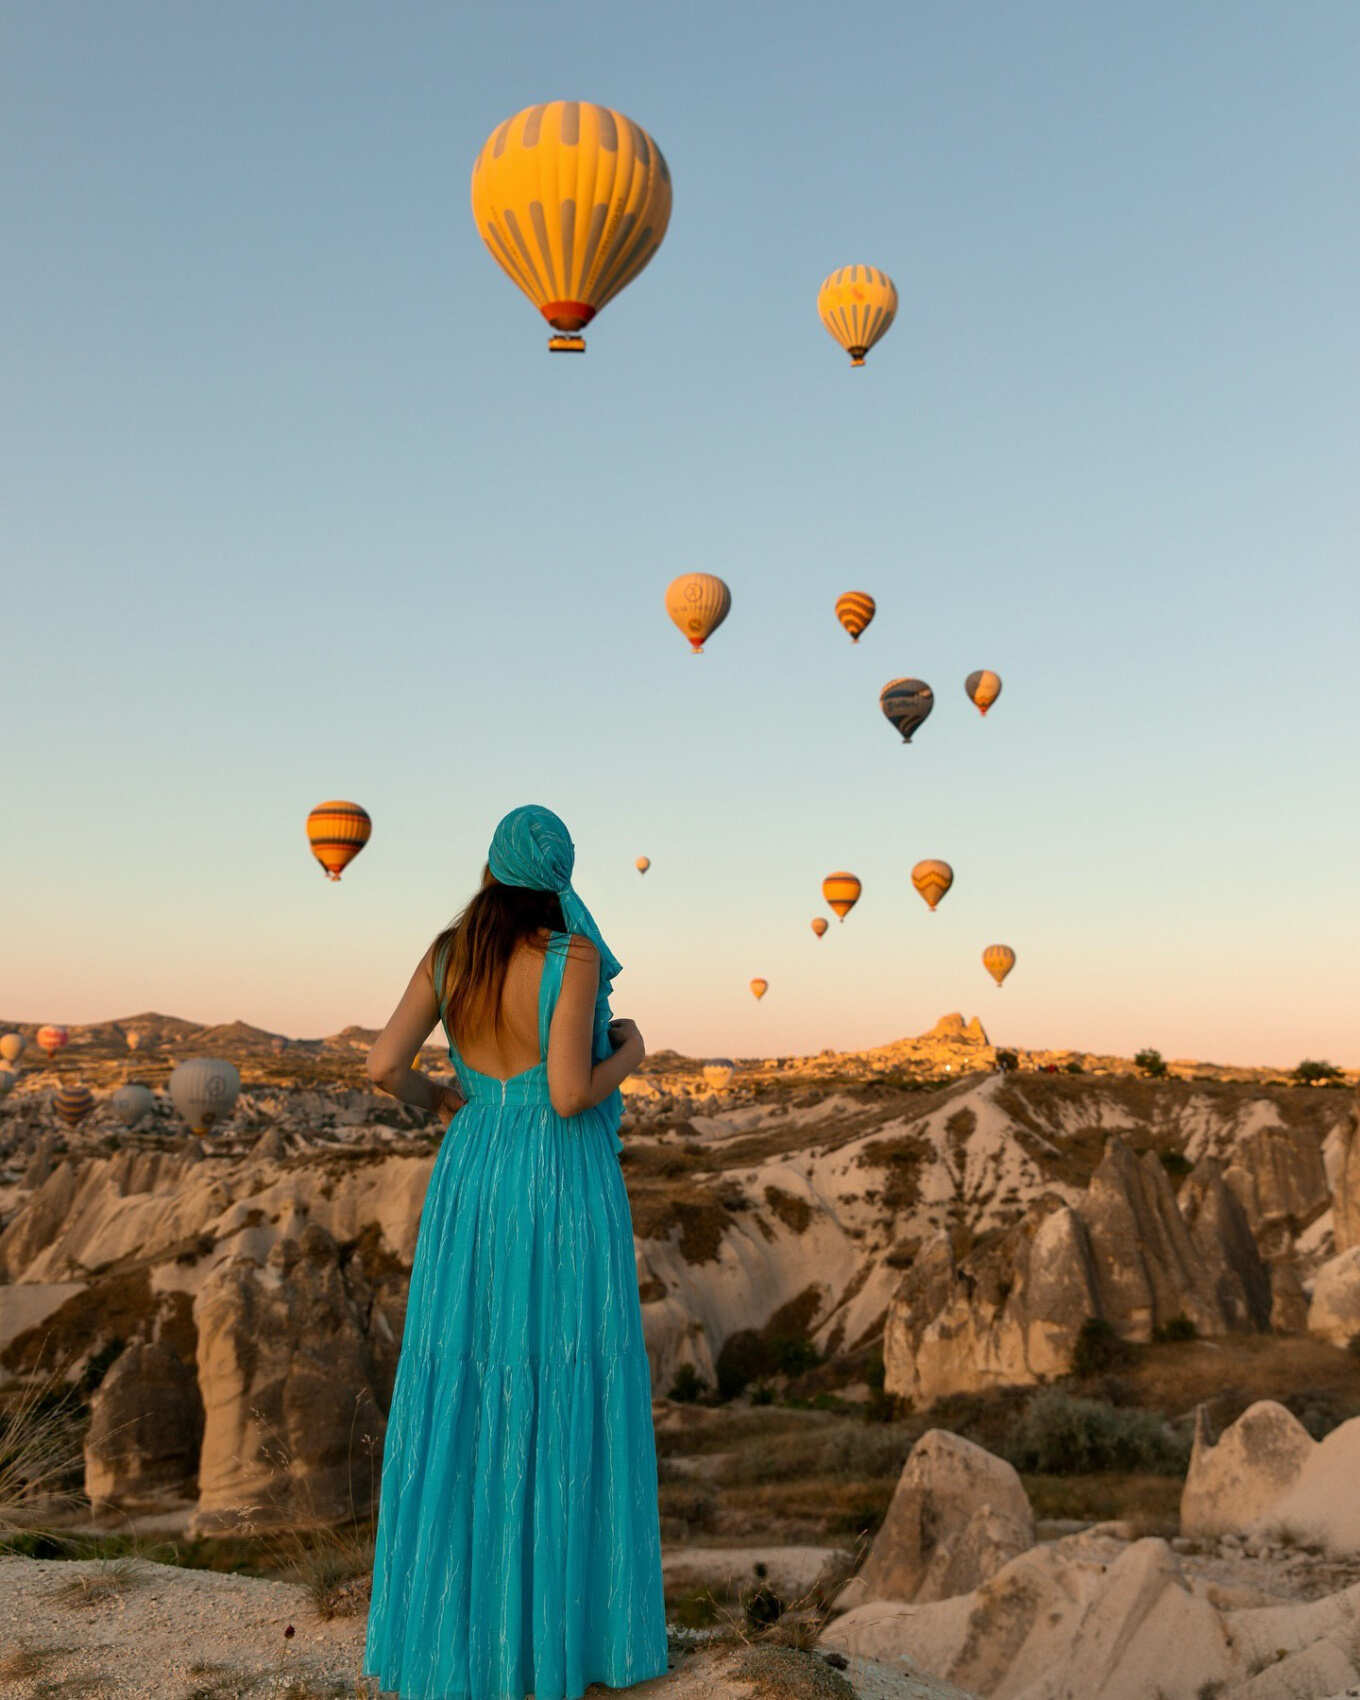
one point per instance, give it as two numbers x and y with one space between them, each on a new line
41 1456
22 1664
111 1579
1151 1503
333 1566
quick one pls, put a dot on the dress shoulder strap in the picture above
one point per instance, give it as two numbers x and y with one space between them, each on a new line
440 968
554 967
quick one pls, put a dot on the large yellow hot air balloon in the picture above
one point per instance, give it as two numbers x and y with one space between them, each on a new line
698 603
857 304
983 688
51 1039
998 960
337 831
854 610
841 891
643 863
572 199
12 1046
932 879
819 924
718 1071
759 989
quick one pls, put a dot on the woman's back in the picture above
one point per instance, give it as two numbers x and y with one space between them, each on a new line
510 1045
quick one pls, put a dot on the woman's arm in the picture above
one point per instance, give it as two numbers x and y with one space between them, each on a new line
575 1082
395 1048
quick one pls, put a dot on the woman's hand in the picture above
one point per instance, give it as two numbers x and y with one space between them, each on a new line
448 1101
623 1032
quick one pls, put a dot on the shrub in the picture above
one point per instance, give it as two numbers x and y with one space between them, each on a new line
687 1386
1099 1348
745 1355
1074 1067
762 1393
1061 1435
1007 1062
1178 1327
1309 1072
1150 1062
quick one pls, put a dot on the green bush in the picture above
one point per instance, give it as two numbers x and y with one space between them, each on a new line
687 1386
1178 1327
1061 1435
1151 1063
1309 1072
1099 1348
762 1393
1074 1067
1007 1062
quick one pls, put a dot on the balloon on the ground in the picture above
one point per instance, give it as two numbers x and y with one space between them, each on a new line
983 688
698 603
998 960
820 924
718 1071
643 863
854 610
51 1039
759 989
932 879
12 1046
573 200
857 305
73 1103
130 1103
841 891
337 831
203 1090
906 703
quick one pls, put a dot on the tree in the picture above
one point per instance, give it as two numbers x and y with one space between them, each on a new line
1151 1063
1006 1062
1310 1073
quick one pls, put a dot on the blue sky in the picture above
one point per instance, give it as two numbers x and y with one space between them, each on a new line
296 505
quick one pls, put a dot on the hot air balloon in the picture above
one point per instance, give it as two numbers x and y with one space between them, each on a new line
759 989
9 1077
337 831
983 688
572 199
906 703
819 924
854 610
857 305
130 1103
12 1046
51 1039
841 891
718 1071
204 1090
72 1103
642 864
133 1038
698 603
998 960
932 879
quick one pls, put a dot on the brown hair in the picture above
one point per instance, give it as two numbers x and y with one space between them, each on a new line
474 950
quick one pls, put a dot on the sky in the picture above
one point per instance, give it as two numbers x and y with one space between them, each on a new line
295 505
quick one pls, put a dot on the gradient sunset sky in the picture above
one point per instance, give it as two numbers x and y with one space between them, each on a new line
297 506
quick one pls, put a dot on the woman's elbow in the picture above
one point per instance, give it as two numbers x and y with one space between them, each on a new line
568 1104
379 1070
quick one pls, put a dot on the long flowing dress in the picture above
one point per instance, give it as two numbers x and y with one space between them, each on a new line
519 1543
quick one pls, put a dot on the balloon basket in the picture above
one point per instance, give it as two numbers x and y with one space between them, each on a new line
566 345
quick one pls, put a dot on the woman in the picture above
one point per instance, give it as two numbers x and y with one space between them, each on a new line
519 1543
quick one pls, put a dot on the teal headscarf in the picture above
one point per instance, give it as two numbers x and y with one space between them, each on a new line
531 847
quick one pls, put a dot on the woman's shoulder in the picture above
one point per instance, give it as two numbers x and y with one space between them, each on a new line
578 947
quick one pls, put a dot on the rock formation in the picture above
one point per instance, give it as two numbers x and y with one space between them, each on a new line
146 1426
1232 1485
1334 1312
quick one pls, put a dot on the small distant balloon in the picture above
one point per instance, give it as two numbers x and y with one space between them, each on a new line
337 831
759 989
854 610
820 924
642 864
51 1039
12 1046
906 703
131 1103
932 879
133 1038
718 1071
841 891
203 1091
998 960
698 603
857 305
983 689
72 1103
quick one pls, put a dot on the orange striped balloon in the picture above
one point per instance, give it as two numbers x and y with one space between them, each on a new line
759 989
854 610
932 879
72 1103
820 924
841 891
337 831
998 960
51 1039
983 688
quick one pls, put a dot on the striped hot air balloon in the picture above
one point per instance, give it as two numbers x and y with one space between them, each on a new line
759 989
698 603
841 891
820 924
983 688
932 879
854 610
642 864
573 200
51 1039
998 960
72 1103
857 305
337 831
718 1071
906 703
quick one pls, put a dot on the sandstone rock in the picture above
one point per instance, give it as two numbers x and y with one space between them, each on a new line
1321 1506
146 1425
270 1147
1346 1196
1288 1300
1230 1486
1221 1235
1279 1177
957 1516
1334 1313
40 1165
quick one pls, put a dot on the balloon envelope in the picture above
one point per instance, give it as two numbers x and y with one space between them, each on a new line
51 1039
8 1078
820 924
857 305
718 1071
203 1090
759 988
998 960
72 1103
572 199
12 1046
932 879
130 1103
643 863
906 703
698 603
854 610
841 891
337 831
134 1039
983 688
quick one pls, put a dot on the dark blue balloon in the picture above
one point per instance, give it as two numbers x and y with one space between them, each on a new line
906 702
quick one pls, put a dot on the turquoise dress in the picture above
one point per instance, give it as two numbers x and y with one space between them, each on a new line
519 1543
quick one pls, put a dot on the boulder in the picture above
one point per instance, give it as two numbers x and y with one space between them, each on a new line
1321 1506
958 1514
1334 1312
1230 1486
146 1425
